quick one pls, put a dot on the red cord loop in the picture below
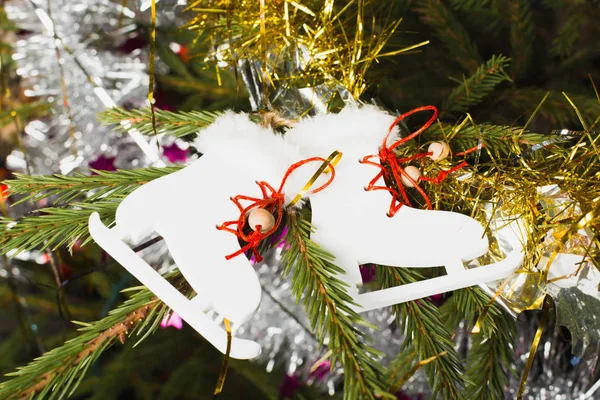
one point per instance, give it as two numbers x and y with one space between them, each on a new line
387 157
272 201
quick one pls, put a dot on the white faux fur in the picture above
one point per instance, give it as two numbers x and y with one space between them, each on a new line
263 154
356 132
257 151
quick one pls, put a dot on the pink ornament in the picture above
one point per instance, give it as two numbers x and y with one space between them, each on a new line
103 163
173 320
174 153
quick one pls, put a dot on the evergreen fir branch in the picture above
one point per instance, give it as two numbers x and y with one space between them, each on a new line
6 23
422 323
68 188
491 356
472 91
177 124
401 368
563 45
469 5
56 374
502 141
556 109
329 309
453 35
521 35
24 111
49 228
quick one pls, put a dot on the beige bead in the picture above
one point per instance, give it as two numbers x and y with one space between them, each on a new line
440 150
260 216
413 172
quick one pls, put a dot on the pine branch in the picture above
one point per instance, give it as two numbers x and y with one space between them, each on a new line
56 374
563 45
68 188
24 111
328 306
425 332
453 35
177 124
521 35
491 356
6 23
53 226
469 5
401 368
556 109
504 142
472 91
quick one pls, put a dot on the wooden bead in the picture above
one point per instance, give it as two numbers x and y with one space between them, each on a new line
413 172
440 150
260 216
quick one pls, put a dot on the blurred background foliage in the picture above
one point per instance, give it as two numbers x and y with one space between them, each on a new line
495 59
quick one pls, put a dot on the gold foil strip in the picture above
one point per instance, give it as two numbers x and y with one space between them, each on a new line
534 346
151 65
331 161
225 366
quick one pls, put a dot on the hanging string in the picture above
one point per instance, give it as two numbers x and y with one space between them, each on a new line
151 66
122 14
63 83
387 157
273 201
534 346
225 365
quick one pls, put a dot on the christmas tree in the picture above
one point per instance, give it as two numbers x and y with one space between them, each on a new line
475 120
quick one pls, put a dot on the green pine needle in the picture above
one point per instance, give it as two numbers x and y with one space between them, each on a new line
556 110
68 188
49 228
474 89
329 309
469 5
490 360
422 322
25 112
58 373
563 45
176 124
504 142
521 35
437 15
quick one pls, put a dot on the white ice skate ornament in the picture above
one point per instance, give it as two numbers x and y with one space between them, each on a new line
351 220
186 206
190 209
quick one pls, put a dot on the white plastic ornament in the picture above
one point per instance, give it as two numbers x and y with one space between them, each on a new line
414 173
185 207
352 224
439 150
260 216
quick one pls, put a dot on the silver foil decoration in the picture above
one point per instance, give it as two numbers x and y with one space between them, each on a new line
289 100
97 76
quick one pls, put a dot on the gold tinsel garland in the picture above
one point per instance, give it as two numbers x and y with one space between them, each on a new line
330 41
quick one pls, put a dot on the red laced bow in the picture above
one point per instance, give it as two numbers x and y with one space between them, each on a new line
387 157
272 200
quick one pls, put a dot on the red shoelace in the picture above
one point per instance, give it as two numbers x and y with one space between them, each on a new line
387 157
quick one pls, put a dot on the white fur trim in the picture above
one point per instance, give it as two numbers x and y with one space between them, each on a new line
266 155
257 151
354 131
